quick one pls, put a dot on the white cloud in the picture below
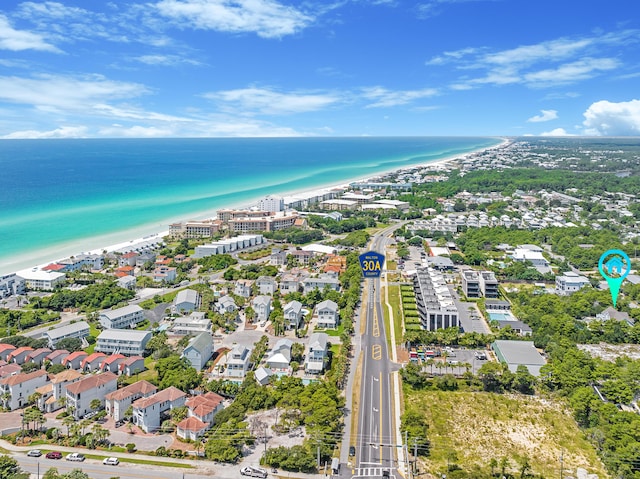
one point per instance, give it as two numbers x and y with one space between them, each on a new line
165 60
57 92
18 40
62 132
266 18
136 114
546 115
136 131
614 119
556 132
270 102
433 8
570 72
382 97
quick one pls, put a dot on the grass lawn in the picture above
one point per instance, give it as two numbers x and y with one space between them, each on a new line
394 301
134 460
332 332
477 427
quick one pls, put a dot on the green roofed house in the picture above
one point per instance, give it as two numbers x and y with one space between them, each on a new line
199 350
515 353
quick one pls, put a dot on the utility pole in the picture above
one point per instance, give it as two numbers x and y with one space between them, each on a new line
415 455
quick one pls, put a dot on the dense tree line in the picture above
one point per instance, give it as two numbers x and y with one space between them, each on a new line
295 235
93 297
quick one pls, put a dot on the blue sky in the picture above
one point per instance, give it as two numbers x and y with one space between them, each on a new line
192 68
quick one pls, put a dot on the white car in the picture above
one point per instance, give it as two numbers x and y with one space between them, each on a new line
75 456
111 461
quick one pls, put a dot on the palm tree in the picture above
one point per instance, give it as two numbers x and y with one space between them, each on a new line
68 421
100 433
95 404
198 446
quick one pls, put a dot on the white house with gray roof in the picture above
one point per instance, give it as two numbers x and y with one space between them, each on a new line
316 353
194 324
280 357
327 314
262 306
199 350
267 285
321 282
226 304
238 361
186 301
127 342
293 314
127 317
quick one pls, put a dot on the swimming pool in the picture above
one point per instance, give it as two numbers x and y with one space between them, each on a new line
506 316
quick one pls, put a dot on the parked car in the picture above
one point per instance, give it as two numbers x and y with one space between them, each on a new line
54 455
34 453
111 461
352 451
75 456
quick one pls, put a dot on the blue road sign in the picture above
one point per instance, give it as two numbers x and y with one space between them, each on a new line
371 264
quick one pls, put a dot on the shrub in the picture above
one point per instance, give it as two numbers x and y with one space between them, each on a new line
130 447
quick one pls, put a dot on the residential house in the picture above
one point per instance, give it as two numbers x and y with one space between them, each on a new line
59 383
612 313
127 282
9 370
293 314
19 356
148 411
144 259
191 428
126 317
303 257
78 330
127 342
327 313
81 393
290 283
262 307
226 304
166 274
132 365
263 375
238 361
117 402
243 288
570 282
112 363
199 350
267 285
57 356
196 323
92 362
5 350
517 326
280 357
278 257
37 356
74 360
186 301
325 280
128 259
16 389
42 280
317 351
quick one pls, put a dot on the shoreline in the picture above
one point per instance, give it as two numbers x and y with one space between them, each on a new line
158 231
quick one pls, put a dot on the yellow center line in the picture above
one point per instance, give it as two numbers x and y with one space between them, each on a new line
380 408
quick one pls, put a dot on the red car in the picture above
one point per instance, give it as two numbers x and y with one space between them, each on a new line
54 455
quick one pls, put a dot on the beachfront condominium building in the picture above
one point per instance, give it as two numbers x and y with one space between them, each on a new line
42 280
195 229
148 411
228 245
127 317
122 341
17 388
436 306
273 222
271 203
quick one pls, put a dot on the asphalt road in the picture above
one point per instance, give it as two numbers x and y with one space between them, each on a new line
96 470
375 448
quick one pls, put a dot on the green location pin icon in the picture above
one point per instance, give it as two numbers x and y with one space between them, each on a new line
610 261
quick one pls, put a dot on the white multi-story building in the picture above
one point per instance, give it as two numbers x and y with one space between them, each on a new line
117 402
19 387
78 330
44 280
271 203
11 284
262 306
127 317
327 314
194 324
186 300
436 306
316 353
127 342
147 412
59 383
80 394
238 361
292 314
571 282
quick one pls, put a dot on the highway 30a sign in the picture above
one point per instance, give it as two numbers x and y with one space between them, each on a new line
371 264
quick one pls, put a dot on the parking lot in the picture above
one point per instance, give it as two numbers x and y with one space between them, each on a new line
456 360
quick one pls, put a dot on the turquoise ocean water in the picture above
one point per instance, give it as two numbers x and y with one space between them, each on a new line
60 197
